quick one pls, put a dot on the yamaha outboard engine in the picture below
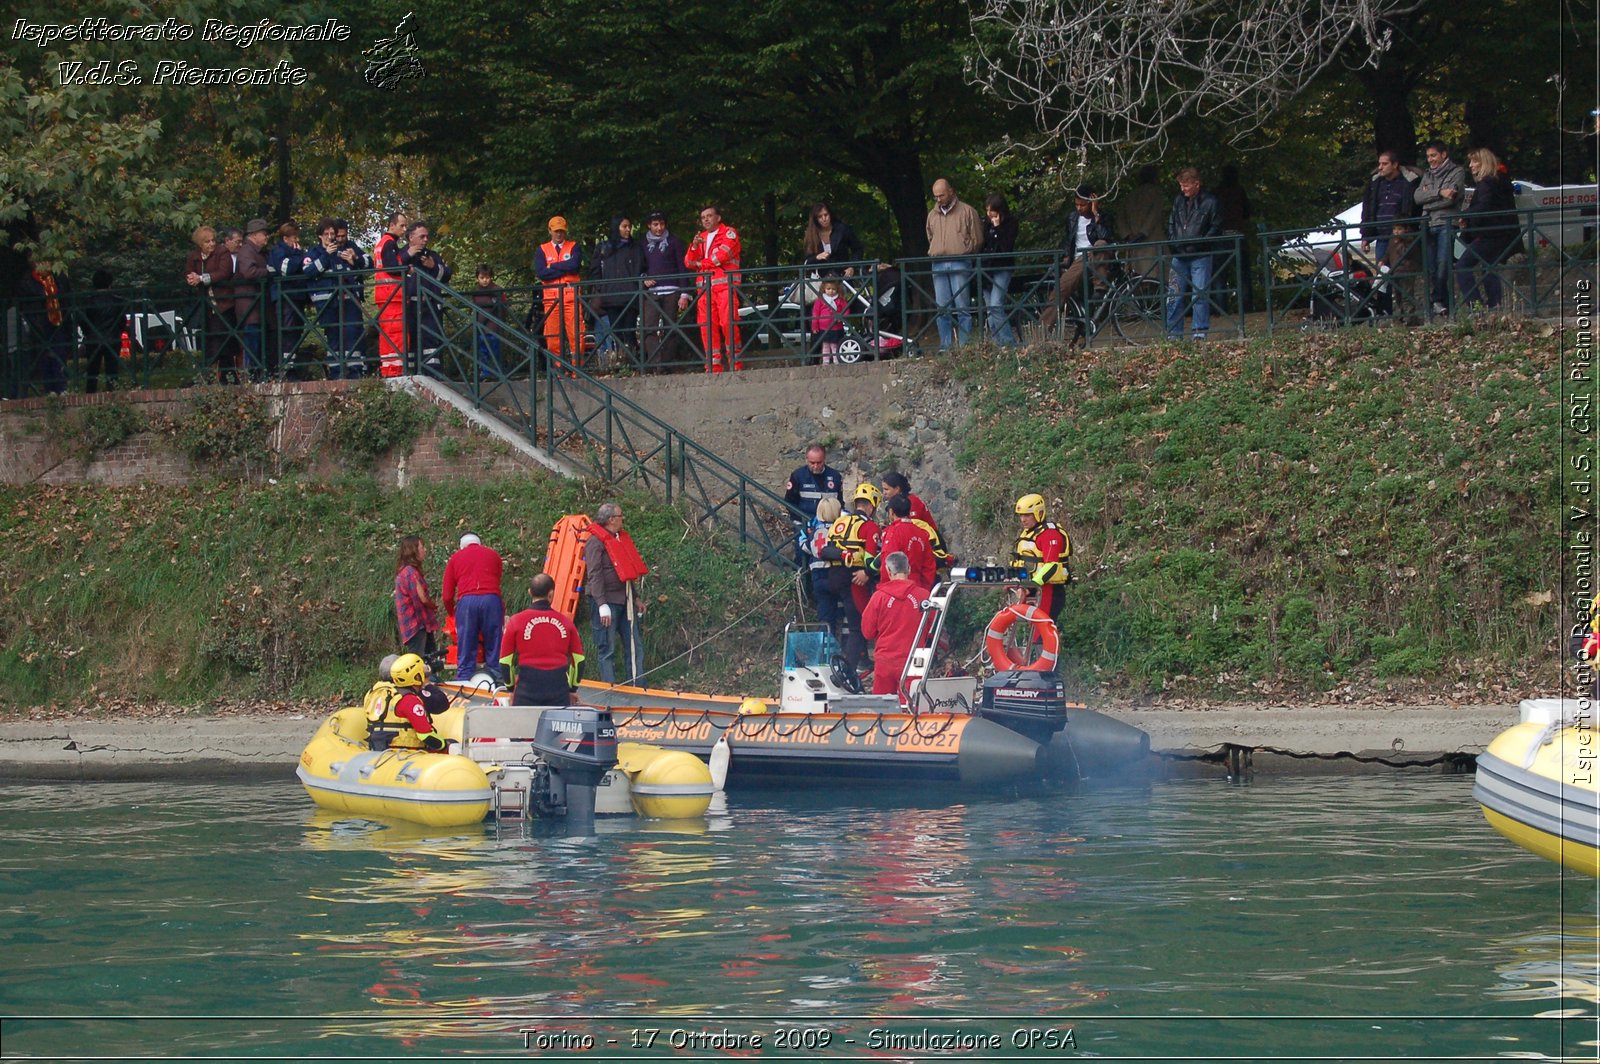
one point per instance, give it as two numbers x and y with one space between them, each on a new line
579 746
1028 701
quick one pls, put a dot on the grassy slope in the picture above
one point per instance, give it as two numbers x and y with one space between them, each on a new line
227 592
1293 514
1341 510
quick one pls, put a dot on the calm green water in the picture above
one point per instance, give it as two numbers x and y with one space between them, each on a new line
1368 918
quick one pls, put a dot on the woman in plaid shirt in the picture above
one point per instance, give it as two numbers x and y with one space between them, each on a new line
414 607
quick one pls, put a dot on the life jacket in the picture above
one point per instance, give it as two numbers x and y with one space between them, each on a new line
941 556
848 536
1030 557
553 256
382 720
387 275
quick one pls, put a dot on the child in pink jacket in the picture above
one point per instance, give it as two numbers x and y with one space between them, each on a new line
828 316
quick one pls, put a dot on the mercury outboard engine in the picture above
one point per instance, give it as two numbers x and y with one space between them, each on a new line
1028 701
579 746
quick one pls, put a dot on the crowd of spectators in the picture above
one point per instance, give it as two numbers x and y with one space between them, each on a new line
651 299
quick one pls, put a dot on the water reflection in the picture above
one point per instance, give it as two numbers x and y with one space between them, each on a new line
1551 964
1301 898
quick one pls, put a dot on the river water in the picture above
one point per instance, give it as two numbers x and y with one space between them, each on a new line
1368 918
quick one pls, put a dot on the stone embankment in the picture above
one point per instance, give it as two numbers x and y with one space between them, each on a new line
1226 740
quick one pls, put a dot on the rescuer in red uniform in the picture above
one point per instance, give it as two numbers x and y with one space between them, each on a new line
543 645
714 254
890 621
414 705
1043 549
910 538
389 296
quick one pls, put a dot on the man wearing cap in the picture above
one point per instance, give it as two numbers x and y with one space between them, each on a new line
250 293
558 263
471 593
715 255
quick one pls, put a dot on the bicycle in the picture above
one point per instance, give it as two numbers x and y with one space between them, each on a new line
1134 303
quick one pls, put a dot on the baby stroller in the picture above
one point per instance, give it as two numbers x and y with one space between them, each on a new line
1346 289
787 322
875 305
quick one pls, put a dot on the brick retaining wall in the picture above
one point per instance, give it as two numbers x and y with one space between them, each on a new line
34 448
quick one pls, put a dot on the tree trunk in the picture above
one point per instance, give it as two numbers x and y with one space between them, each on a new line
285 184
1394 128
1485 124
899 178
769 220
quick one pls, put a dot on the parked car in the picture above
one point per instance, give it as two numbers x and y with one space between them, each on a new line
1572 227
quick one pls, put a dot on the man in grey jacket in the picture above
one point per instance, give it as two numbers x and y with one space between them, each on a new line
1439 196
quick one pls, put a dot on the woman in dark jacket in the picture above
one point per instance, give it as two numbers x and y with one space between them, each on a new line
619 264
1487 232
829 240
999 240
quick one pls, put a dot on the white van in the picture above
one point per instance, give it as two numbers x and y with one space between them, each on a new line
1577 223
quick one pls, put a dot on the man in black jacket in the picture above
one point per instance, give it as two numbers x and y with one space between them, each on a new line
1194 220
807 486
1390 198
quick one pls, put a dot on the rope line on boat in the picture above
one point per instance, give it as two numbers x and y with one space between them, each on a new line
715 635
909 724
825 732
871 724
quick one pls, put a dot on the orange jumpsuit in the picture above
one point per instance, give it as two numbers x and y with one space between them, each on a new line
388 293
715 255
557 267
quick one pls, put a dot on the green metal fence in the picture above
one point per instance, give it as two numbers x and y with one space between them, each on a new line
1520 262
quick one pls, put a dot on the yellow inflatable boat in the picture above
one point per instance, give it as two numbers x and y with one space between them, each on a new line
343 774
513 763
1536 783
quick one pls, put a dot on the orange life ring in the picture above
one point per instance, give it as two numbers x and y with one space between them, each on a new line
1049 638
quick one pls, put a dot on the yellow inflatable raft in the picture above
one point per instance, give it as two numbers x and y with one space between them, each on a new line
341 773
1536 783
441 790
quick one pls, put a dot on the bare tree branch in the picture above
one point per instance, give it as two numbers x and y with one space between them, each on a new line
1107 79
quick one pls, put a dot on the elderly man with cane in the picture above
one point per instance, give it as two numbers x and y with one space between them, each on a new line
612 571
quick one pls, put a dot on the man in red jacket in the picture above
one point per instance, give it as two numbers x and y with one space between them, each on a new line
890 621
389 294
909 538
715 255
471 593
543 645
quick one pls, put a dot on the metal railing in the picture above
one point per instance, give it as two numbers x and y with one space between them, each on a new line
558 404
1519 262
180 335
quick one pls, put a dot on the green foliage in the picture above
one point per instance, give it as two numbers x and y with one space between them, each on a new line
371 420
224 428
103 426
766 111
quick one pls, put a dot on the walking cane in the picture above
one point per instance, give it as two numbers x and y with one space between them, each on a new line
634 662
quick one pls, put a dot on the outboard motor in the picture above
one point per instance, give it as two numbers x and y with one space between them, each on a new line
579 746
1028 701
